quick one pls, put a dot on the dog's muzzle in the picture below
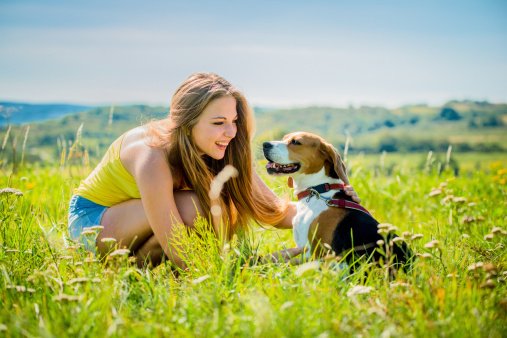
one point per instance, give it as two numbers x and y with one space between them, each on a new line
276 154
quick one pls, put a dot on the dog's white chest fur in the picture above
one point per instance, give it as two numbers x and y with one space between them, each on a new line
309 208
307 211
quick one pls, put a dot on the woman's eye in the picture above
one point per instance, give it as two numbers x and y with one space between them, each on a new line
295 142
218 123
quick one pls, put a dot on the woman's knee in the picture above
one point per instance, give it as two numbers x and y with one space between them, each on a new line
188 206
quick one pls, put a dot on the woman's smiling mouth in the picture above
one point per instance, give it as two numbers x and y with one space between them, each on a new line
222 145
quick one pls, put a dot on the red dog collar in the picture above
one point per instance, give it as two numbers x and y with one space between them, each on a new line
333 202
321 188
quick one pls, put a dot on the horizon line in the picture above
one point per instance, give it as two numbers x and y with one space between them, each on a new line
259 105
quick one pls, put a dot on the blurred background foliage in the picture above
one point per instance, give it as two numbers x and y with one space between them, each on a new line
42 133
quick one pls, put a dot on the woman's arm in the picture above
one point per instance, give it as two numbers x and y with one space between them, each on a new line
155 183
286 223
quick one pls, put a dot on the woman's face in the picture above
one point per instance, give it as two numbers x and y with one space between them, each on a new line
216 127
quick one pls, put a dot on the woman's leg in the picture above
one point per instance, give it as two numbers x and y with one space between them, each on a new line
127 223
150 252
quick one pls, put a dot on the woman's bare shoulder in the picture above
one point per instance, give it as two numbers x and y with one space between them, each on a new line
135 150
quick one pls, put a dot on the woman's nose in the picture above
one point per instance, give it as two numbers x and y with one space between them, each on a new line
230 130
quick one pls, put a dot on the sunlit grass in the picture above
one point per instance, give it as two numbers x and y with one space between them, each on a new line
49 286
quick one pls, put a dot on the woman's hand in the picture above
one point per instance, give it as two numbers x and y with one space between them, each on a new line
349 190
283 256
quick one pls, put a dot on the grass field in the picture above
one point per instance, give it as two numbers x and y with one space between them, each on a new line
50 287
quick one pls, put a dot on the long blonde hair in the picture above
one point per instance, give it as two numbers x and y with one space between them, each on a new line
241 199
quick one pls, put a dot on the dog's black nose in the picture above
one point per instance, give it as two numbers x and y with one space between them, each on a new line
267 145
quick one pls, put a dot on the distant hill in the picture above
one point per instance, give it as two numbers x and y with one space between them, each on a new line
466 125
19 113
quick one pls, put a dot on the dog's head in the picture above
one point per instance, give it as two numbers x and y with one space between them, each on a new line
303 153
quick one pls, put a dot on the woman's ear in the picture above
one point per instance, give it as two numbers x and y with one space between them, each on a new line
337 168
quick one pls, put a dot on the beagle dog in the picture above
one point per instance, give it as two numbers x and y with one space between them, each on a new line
326 217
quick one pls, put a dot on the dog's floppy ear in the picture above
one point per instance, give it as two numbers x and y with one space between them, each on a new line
337 168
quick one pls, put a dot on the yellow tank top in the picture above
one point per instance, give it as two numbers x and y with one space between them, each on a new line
109 183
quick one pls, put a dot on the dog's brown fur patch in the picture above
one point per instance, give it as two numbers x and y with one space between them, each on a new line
322 229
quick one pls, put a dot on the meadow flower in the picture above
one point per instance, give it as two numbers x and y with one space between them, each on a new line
359 290
386 228
78 280
218 182
489 267
424 255
216 210
328 247
286 305
475 266
330 257
200 279
432 244
498 230
108 240
489 237
74 247
20 288
435 192
10 191
88 232
488 284
90 260
459 199
119 252
399 284
446 199
496 165
309 266
67 298
416 236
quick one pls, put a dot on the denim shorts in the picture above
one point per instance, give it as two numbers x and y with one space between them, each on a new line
83 214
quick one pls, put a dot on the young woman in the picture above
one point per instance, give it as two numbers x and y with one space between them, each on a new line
158 175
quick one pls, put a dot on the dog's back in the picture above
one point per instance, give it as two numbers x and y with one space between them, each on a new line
357 235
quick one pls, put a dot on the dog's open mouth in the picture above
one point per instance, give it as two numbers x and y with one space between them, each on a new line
277 168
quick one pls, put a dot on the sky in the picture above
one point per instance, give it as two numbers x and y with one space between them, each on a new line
279 53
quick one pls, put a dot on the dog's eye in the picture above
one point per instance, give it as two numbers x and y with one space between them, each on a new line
295 142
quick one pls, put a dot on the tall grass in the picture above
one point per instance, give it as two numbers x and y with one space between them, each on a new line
51 287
